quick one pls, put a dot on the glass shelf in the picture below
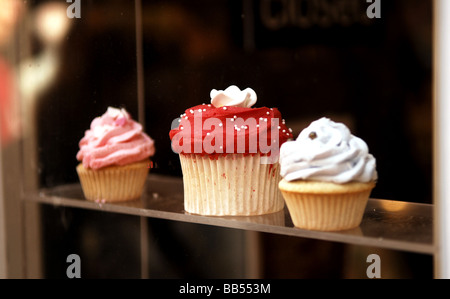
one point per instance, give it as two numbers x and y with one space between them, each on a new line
396 225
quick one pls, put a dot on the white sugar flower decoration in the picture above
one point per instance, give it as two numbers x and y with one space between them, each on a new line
233 96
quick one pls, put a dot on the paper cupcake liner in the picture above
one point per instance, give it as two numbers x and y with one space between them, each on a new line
326 212
231 185
115 183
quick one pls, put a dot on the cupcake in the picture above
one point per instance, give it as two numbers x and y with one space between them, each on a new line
229 155
328 175
114 155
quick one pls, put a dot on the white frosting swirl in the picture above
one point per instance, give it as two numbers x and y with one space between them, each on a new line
118 113
327 151
115 116
233 96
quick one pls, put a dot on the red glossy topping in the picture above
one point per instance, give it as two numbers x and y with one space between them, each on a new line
207 130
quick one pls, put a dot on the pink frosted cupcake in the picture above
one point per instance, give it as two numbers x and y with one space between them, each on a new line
114 155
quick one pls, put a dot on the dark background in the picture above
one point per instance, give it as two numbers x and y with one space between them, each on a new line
309 58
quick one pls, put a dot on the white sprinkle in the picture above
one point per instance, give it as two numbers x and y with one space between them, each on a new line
192 111
204 109
224 108
207 134
220 124
265 119
199 110
181 128
284 131
279 127
268 113
209 105
290 130
235 117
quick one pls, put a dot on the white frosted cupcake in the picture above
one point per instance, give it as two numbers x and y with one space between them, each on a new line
229 155
328 175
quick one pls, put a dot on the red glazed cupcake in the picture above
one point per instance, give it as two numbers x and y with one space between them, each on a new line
229 155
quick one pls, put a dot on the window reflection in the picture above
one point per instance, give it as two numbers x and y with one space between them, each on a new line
10 13
309 61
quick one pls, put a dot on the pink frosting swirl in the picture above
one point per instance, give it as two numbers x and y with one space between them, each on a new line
114 139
